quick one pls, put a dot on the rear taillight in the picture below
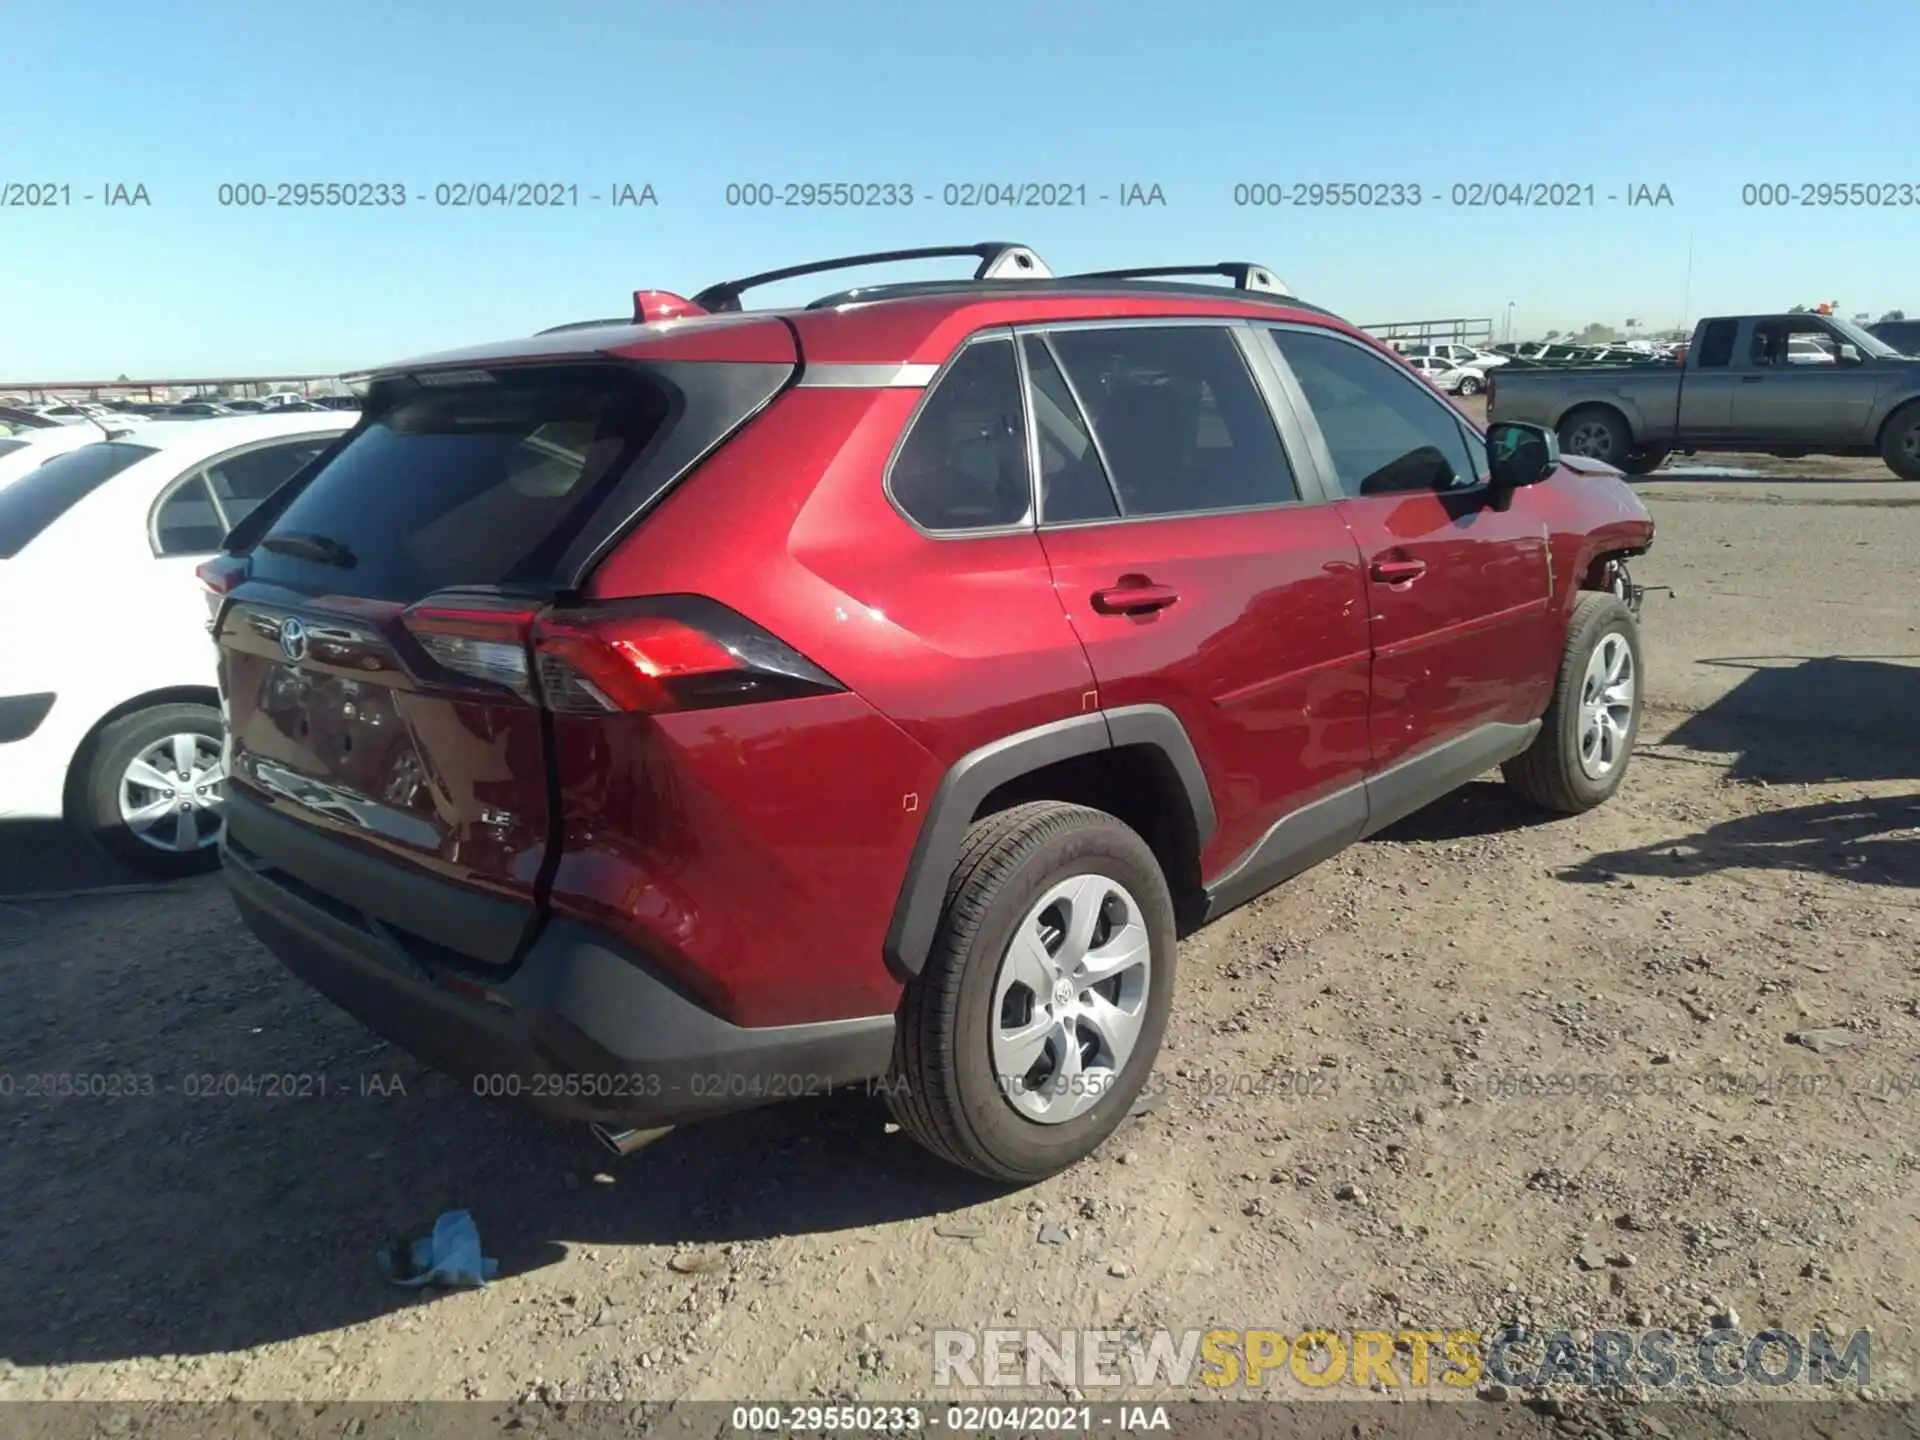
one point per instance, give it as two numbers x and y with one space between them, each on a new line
219 576
663 653
480 638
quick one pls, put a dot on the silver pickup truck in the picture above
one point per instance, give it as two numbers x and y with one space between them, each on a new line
1787 385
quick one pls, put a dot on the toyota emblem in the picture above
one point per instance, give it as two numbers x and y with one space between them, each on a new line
293 640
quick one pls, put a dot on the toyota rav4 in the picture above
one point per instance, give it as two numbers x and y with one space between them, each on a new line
653 718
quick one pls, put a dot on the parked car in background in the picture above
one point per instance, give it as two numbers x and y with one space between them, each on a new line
1449 377
125 740
1742 387
696 713
31 449
196 410
1902 335
242 406
1458 354
15 420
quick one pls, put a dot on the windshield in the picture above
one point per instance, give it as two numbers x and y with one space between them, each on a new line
1869 344
40 497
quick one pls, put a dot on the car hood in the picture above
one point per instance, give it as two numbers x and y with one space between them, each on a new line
1583 465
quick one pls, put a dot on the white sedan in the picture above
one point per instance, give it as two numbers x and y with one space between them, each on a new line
31 449
109 702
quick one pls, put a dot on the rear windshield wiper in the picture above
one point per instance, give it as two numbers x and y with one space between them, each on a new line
323 548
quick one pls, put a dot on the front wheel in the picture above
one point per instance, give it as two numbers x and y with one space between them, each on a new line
1024 1042
1470 385
1644 462
1586 738
152 792
1900 441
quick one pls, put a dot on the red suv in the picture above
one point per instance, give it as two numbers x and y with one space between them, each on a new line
655 718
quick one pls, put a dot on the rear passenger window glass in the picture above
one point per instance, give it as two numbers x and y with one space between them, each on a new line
1387 433
32 502
188 523
1181 425
240 482
1073 482
964 463
1716 344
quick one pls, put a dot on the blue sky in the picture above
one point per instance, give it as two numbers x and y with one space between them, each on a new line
1700 97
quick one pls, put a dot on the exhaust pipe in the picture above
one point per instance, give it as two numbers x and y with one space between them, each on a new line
625 1142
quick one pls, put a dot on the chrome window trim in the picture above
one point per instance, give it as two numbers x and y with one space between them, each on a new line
1025 524
841 375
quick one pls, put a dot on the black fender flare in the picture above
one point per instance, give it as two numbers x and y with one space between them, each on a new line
977 774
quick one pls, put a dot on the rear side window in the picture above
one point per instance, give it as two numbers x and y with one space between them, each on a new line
1073 481
196 515
475 483
29 504
1716 344
1181 425
964 463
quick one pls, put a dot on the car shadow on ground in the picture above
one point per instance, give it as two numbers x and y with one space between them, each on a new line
208 1206
1866 841
1813 720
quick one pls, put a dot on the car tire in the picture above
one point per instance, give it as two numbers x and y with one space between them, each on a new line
1558 772
1469 385
1644 462
1900 441
1596 432
970 1010
111 791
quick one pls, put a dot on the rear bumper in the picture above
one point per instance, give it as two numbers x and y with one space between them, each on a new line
580 1029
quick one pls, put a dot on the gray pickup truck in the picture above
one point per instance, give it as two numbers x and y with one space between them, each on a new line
1786 385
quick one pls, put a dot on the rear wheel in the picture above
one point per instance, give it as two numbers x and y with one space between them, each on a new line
1024 1041
1586 738
153 788
1470 385
1900 441
1596 433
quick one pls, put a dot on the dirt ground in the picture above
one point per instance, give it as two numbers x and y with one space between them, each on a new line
1758 878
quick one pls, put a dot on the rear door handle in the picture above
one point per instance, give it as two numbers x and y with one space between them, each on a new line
1398 572
1134 599
1751 379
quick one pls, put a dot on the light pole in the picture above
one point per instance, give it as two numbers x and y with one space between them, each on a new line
1508 327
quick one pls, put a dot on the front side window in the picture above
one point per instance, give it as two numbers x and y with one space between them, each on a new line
964 463
1387 435
1181 426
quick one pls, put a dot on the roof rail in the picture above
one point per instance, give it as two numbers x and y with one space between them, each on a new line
1245 274
999 260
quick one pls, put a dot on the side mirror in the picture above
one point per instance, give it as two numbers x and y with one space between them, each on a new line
1519 455
1849 354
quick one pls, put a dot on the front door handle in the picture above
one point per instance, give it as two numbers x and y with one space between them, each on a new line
1398 572
1134 599
1751 379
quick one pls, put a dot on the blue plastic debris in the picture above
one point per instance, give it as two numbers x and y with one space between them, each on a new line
449 1256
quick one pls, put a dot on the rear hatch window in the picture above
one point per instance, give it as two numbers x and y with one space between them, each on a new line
29 504
495 478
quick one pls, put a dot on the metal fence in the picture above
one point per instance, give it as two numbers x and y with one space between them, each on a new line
1457 331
